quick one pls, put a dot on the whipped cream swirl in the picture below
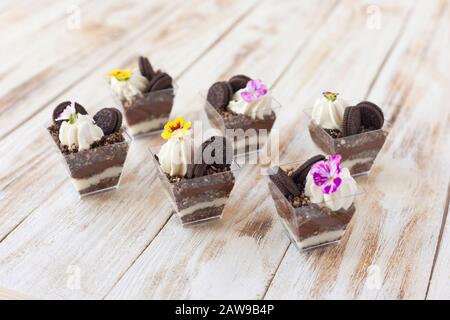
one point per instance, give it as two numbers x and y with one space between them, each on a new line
79 133
342 198
256 109
176 154
128 90
328 111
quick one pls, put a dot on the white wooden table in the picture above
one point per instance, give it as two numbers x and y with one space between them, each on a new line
127 244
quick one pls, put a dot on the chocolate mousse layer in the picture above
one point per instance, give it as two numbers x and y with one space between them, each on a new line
86 167
199 198
358 151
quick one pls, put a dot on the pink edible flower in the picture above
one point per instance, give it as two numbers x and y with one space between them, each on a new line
253 90
326 174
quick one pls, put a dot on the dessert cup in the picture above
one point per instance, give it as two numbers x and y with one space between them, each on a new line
247 135
198 199
358 151
312 225
147 114
98 169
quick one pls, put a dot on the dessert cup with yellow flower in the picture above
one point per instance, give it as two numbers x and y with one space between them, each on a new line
198 179
93 149
146 96
314 200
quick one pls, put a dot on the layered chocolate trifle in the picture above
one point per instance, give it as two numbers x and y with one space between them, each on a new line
314 200
146 96
199 179
357 132
95 149
242 109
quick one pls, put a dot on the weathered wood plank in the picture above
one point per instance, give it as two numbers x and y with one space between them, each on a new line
237 257
389 248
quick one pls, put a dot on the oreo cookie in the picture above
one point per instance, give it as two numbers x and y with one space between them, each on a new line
199 169
372 116
300 174
219 95
63 105
160 81
351 122
284 182
218 151
146 68
238 82
109 120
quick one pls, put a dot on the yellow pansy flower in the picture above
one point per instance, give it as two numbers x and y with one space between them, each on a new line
176 128
121 75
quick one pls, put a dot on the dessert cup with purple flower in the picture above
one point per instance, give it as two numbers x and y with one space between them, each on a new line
356 131
94 150
197 180
314 200
146 96
243 110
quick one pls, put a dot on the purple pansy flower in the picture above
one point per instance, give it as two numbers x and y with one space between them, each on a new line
326 174
253 90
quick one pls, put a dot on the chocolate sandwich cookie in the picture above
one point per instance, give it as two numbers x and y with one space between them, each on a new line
146 68
219 95
109 120
300 174
217 150
160 81
63 105
372 116
351 122
284 182
200 169
238 82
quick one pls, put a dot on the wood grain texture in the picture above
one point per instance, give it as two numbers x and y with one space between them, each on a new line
208 262
388 251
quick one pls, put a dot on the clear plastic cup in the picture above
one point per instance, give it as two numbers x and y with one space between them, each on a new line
198 199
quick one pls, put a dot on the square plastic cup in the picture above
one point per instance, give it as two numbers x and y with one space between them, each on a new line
148 113
358 151
314 225
247 135
198 199
98 169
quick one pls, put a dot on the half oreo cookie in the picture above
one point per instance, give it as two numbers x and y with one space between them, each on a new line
219 95
160 81
238 82
146 68
284 182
